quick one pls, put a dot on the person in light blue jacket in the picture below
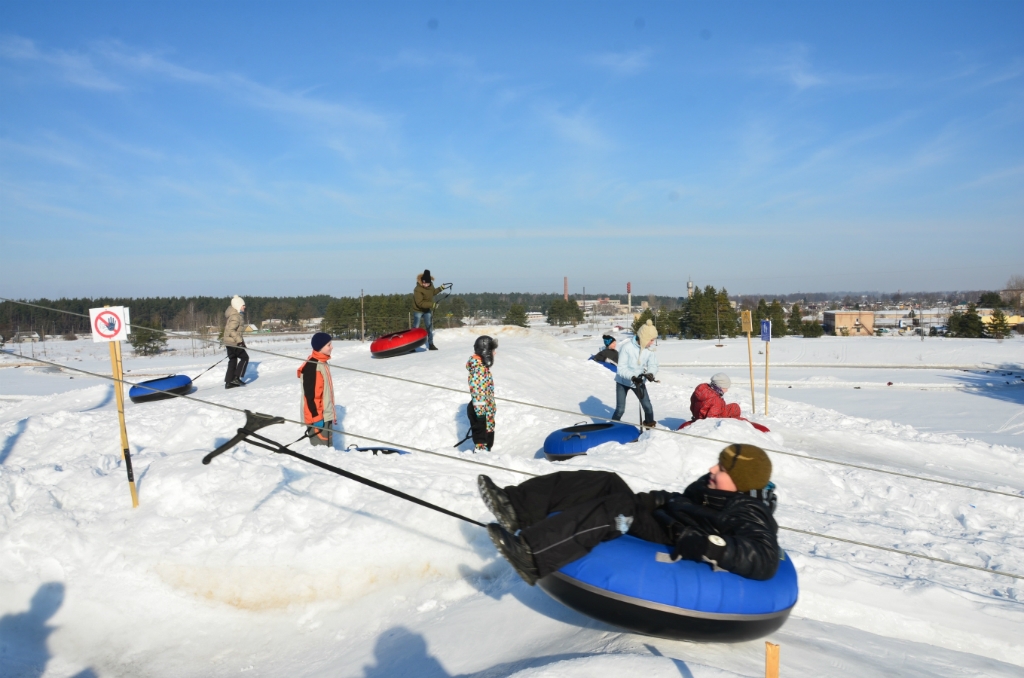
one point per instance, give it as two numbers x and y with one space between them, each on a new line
637 366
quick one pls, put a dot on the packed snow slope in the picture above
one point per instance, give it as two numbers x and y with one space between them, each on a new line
261 565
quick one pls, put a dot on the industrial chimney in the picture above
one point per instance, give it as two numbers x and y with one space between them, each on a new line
565 283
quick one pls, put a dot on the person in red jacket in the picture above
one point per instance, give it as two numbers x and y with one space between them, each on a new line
317 405
707 402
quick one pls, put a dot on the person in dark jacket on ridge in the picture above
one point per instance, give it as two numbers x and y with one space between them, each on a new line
238 359
482 407
423 305
317 406
724 518
610 352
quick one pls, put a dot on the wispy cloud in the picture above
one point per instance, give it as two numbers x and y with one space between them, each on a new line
74 69
576 127
623 63
790 64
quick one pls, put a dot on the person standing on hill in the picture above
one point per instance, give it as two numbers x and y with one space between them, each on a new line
238 359
482 408
637 366
423 305
318 392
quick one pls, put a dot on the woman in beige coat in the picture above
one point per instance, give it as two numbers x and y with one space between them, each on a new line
238 359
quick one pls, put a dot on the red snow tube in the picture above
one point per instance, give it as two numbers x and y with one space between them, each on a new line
398 343
760 427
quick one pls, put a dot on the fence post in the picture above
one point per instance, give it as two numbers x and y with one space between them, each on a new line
771 660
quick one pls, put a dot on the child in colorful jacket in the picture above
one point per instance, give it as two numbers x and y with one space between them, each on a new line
482 409
317 401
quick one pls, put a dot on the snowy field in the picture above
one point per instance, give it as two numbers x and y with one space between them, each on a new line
261 565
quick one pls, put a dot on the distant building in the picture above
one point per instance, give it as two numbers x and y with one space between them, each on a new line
20 337
851 323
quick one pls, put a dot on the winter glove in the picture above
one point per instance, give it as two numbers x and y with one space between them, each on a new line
638 381
658 498
317 424
650 377
692 545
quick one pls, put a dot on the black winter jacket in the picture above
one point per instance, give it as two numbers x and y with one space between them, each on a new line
744 522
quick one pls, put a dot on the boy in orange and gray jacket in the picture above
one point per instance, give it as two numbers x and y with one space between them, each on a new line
317 404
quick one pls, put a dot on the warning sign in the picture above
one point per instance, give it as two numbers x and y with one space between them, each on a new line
109 324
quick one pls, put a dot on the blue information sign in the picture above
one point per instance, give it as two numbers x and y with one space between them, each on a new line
766 330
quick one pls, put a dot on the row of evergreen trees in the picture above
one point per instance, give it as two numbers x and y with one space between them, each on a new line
968 324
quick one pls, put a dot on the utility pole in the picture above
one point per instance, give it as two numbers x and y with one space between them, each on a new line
362 318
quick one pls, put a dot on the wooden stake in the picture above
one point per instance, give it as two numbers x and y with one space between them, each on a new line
771 660
750 359
117 366
767 357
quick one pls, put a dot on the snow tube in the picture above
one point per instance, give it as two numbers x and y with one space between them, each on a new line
566 443
610 365
158 389
760 427
398 343
633 584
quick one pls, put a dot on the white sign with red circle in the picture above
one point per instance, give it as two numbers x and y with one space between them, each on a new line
109 324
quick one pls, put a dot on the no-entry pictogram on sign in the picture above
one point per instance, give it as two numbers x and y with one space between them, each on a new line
109 324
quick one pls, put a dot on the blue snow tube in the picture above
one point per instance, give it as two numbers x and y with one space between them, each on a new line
633 584
610 365
566 443
158 389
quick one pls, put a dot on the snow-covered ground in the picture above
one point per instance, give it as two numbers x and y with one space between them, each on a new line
261 565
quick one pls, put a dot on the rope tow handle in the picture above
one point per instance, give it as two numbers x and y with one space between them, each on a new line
256 420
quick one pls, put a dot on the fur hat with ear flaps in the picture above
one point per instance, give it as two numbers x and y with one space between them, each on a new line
484 347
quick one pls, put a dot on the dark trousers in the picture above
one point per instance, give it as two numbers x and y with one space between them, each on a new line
587 504
621 391
478 427
238 360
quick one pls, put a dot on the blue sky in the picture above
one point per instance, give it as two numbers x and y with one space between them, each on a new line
287 148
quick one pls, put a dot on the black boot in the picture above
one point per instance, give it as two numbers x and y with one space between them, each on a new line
498 503
516 551
432 347
238 382
230 384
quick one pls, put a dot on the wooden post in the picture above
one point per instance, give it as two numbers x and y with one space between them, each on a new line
771 660
117 366
767 358
748 327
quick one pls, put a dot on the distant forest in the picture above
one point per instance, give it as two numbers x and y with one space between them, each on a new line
383 312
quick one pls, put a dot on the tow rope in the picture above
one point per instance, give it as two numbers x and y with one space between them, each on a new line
255 421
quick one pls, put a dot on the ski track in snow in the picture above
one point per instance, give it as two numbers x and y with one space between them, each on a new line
265 566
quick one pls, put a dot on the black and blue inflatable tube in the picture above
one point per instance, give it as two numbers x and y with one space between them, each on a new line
634 585
160 389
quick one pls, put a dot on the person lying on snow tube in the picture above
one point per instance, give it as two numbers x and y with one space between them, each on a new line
724 518
610 352
707 403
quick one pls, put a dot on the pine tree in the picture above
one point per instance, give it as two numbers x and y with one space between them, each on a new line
812 329
796 321
998 327
971 326
727 314
642 319
516 316
778 317
762 312
146 339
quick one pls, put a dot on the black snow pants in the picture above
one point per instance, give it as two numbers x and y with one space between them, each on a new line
587 505
238 360
478 427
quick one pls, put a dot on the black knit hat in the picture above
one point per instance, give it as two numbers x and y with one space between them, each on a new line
426 276
320 339
608 339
